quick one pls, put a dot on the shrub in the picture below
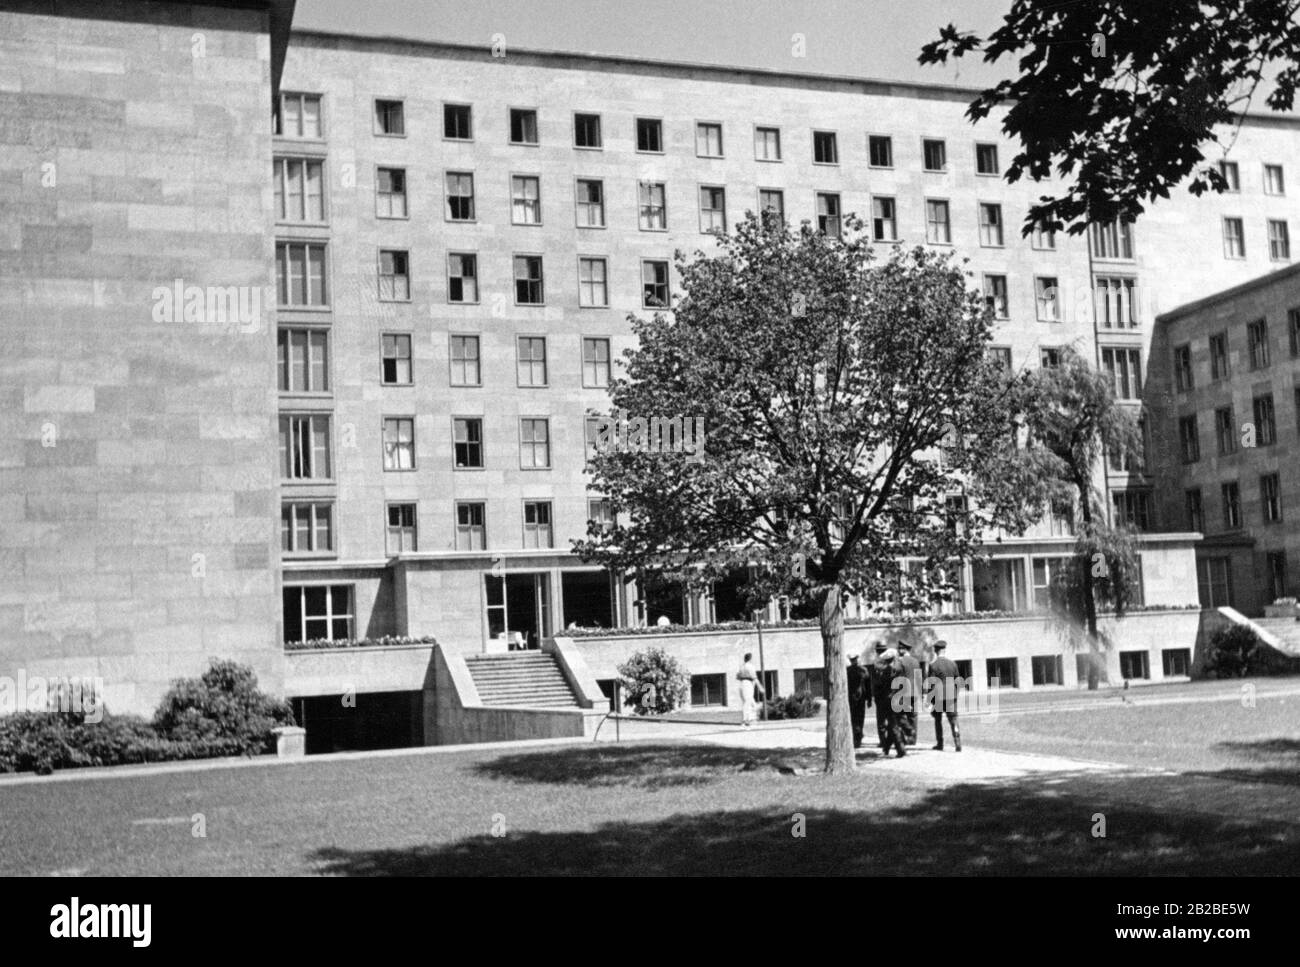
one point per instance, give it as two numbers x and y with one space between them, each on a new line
224 703
654 682
1233 652
798 706
38 742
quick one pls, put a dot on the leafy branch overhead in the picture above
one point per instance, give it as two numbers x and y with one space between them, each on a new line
1126 99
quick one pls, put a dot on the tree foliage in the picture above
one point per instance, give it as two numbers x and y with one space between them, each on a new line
1125 99
654 682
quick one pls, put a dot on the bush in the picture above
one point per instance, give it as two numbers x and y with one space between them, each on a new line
654 682
799 706
224 703
1233 652
38 742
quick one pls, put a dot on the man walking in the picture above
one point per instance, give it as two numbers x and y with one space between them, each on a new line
942 684
858 698
909 693
884 672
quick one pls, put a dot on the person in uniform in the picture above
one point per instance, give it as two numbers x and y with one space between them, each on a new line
858 698
909 693
884 671
943 682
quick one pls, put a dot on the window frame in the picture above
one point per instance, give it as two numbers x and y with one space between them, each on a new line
451 358
410 357
469 116
469 420
401 105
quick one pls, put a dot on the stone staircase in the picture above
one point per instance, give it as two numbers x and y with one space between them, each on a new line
1285 631
523 679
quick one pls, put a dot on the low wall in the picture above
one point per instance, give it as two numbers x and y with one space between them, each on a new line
786 650
335 671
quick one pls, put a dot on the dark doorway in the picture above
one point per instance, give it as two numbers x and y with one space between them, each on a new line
729 597
664 598
588 600
370 720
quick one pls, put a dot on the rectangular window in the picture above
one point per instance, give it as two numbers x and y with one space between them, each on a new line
1231 175
1189 438
471 531
306 527
302 360
1043 239
709 689
654 284
534 443
457 122
591 203
1293 330
528 280
1111 240
767 144
986 159
396 359
1133 665
1132 508
884 219
318 612
390 118
1176 662
1047 571
1273 181
1047 669
586 131
299 195
713 209
399 443
1275 563
1279 241
990 225
650 135
467 443
523 126
465 361
1224 430
1195 512
1257 343
1045 297
595 362
1234 239
538 532
531 360
299 116
1002 673
305 446
593 290
300 274
1231 506
525 200
1270 498
880 150
460 196
1265 422
1183 380
394 276
772 200
708 140
828 213
401 528
938 228
1113 302
1214 581
462 277
935 154
390 193
1001 355
653 208
1049 357
1125 369
810 681
1219 356
601 513
995 295
826 148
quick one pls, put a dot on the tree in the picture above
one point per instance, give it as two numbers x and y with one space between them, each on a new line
1122 96
787 420
1073 419
654 682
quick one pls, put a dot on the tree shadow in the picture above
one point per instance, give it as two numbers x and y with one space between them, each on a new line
1009 828
1274 762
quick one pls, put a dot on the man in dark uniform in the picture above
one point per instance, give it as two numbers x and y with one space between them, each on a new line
883 693
942 684
858 698
909 693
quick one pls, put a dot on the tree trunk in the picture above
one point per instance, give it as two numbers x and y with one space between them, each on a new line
839 729
1089 601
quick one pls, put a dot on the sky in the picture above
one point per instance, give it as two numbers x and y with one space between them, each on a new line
861 38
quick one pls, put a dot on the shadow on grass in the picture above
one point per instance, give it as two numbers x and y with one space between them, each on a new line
644 766
1273 761
1014 828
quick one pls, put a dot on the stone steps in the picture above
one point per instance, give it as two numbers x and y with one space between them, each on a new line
530 680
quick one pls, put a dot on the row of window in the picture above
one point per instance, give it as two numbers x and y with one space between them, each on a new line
1258 351
1274 179
1270 504
303 360
307 527
1261 433
1215 584
1234 239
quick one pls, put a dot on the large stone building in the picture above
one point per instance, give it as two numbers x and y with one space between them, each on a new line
444 243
